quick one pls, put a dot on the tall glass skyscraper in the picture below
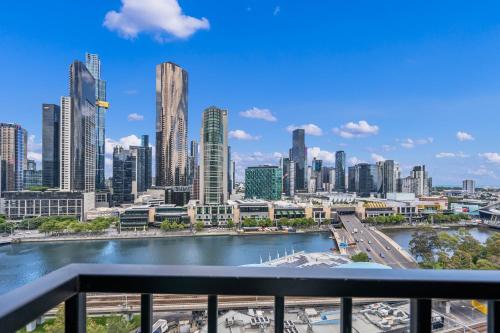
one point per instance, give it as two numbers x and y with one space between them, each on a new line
298 154
123 174
83 128
171 125
213 164
194 171
51 115
143 158
340 171
13 156
93 63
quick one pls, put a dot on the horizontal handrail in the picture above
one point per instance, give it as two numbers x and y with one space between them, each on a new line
26 303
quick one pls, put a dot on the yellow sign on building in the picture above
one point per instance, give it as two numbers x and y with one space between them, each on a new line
103 104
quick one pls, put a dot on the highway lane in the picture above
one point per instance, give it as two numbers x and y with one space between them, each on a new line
376 246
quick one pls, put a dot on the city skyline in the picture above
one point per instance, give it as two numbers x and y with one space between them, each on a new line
396 96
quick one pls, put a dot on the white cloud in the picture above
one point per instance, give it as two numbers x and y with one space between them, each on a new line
125 142
483 171
310 129
378 158
356 130
135 117
388 148
257 113
35 156
242 135
354 160
161 18
411 143
491 157
316 152
464 136
244 160
451 155
277 10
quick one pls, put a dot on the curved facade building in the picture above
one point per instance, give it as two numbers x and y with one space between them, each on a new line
171 125
213 162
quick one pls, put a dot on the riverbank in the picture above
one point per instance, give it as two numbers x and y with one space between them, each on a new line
432 226
124 235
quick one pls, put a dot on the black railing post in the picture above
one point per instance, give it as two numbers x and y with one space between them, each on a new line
146 313
75 314
420 316
212 314
493 316
279 314
346 315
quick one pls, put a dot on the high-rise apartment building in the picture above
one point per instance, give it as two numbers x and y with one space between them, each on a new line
123 176
389 173
340 171
298 154
229 172
171 125
366 178
263 182
142 169
65 138
351 179
83 128
469 186
13 156
213 162
93 64
418 182
51 115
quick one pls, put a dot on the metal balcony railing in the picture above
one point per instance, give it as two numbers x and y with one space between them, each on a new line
71 283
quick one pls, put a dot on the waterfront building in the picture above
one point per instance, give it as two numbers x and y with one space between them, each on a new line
136 217
142 167
298 154
211 215
65 138
93 64
123 176
13 156
171 125
171 213
51 115
32 176
213 164
340 171
469 186
25 204
263 182
83 128
177 195
254 209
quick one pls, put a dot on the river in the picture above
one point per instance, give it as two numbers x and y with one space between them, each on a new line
25 262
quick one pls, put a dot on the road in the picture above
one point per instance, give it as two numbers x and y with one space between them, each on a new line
381 249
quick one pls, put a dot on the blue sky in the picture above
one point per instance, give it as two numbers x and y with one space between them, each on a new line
414 82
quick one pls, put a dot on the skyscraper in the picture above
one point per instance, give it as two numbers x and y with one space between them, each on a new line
366 179
171 125
340 171
351 179
390 175
123 175
263 182
194 171
13 155
51 115
213 163
83 128
229 172
469 186
65 137
142 168
298 154
93 64
32 176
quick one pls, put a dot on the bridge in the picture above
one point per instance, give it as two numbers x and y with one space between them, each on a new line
379 247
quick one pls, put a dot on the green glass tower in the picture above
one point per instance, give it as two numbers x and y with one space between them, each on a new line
263 182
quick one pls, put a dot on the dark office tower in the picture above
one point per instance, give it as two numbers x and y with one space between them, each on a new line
285 166
351 179
366 179
171 125
317 166
340 171
389 177
51 115
13 156
123 174
298 154
93 63
229 173
194 171
32 176
83 128
142 167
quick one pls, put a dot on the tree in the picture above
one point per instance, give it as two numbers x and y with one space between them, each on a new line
230 224
360 257
460 260
422 244
199 226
